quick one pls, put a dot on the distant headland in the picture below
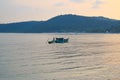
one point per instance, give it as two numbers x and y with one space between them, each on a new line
65 23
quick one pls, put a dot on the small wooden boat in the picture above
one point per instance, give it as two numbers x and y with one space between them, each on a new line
59 40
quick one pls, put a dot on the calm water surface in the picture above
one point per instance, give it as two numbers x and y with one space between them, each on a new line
85 57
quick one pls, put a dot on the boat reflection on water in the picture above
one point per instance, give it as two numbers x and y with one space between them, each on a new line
59 40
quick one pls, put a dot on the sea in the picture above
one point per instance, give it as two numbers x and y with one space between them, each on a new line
87 56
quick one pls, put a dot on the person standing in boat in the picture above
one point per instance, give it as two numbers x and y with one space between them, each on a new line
53 39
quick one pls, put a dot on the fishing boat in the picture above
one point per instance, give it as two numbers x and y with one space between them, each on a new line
59 40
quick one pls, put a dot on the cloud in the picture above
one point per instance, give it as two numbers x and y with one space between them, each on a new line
77 0
97 3
60 4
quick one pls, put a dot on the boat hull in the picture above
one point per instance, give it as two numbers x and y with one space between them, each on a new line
59 40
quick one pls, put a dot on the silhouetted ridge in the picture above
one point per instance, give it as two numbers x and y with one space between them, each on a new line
65 23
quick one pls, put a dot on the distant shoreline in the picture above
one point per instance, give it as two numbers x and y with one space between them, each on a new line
54 33
65 24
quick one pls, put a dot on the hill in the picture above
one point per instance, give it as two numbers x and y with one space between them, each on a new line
65 23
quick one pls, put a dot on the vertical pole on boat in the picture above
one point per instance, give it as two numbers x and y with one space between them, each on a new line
53 39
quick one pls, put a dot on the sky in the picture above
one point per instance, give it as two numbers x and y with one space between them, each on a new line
41 10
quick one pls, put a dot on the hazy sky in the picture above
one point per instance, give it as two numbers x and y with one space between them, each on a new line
26 10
